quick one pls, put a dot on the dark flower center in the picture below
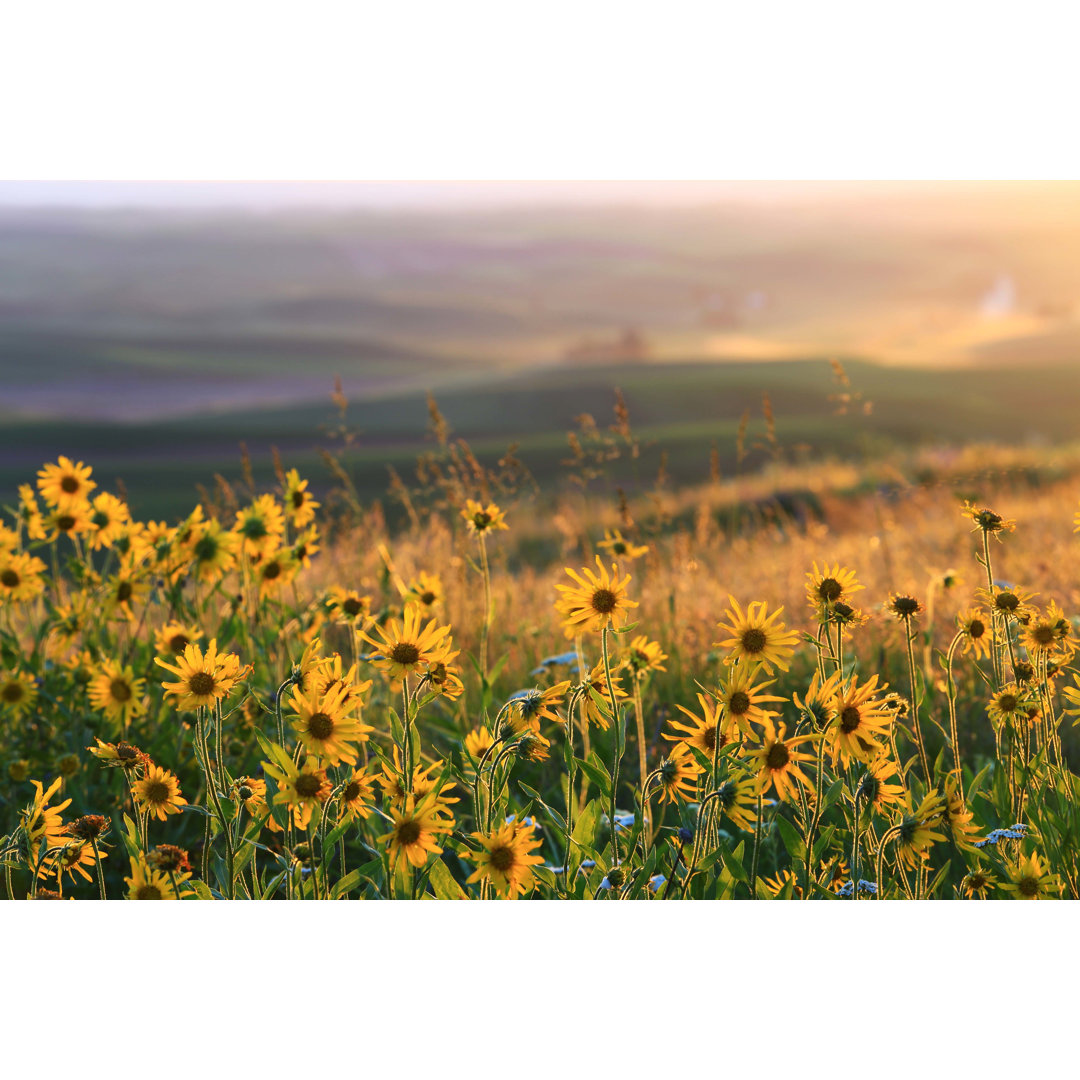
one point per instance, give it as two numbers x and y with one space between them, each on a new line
123 592
69 485
178 643
271 570
604 601
427 598
739 703
120 690
254 528
408 832
1007 703
13 691
754 641
65 522
320 725
906 606
10 578
353 790
206 549
308 785
481 520
156 792
976 629
405 652
352 606
297 499
1028 886
201 684
148 892
502 858
1043 635
778 756
1007 601
829 589
850 718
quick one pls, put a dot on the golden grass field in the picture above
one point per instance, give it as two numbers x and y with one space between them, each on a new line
799 681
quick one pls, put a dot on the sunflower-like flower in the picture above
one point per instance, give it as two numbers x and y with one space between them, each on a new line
875 788
305 547
20 577
737 798
324 726
42 823
616 545
148 883
976 631
917 829
417 826
506 858
301 788
425 591
425 781
116 692
816 704
978 883
444 678
70 521
358 796
173 638
202 679
1009 603
597 701
347 606
779 761
1030 880
757 637
260 526
108 516
529 707
596 601
904 606
158 792
250 793
829 586
859 719
678 775
212 551
1047 633
700 733
986 520
299 503
18 693
404 648
477 742
76 858
30 513
482 520
744 702
120 755
1010 704
65 484
958 818
274 568
644 656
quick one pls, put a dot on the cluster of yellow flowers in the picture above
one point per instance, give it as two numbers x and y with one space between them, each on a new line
295 768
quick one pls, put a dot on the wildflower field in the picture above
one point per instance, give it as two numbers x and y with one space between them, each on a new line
812 681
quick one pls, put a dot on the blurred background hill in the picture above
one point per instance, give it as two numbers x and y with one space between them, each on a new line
153 328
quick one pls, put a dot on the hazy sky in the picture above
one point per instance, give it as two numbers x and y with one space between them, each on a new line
272 194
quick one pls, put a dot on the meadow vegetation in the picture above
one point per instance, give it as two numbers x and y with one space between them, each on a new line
801 678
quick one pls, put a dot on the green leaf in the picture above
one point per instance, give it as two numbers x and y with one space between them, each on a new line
346 884
442 881
555 816
597 773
